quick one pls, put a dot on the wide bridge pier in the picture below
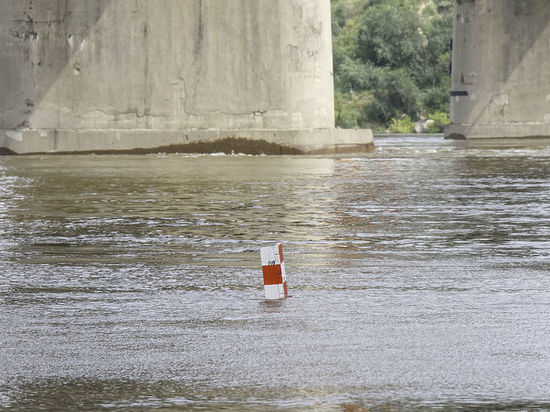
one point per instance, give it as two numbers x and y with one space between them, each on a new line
170 75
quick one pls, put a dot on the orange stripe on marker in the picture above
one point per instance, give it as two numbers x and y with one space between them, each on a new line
273 275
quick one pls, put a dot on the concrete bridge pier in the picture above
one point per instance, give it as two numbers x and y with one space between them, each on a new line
500 69
168 75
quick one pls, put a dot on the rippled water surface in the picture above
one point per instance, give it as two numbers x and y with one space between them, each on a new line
419 274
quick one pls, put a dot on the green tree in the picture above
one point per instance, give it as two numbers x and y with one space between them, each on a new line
391 58
395 93
389 35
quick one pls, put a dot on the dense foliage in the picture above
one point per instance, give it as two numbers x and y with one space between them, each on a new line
391 60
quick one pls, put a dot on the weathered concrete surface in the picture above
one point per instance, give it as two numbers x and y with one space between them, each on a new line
305 141
501 69
81 75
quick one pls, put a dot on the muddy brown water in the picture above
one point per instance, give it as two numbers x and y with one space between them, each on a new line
419 275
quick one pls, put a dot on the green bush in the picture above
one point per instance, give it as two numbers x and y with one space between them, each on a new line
349 109
441 119
402 125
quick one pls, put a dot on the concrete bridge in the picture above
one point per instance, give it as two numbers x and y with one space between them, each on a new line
169 75
244 75
501 71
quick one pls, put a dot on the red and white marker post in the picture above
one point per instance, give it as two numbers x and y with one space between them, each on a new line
273 268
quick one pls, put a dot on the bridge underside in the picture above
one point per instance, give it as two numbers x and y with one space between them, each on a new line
501 69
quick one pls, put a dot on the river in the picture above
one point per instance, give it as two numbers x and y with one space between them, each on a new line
419 275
